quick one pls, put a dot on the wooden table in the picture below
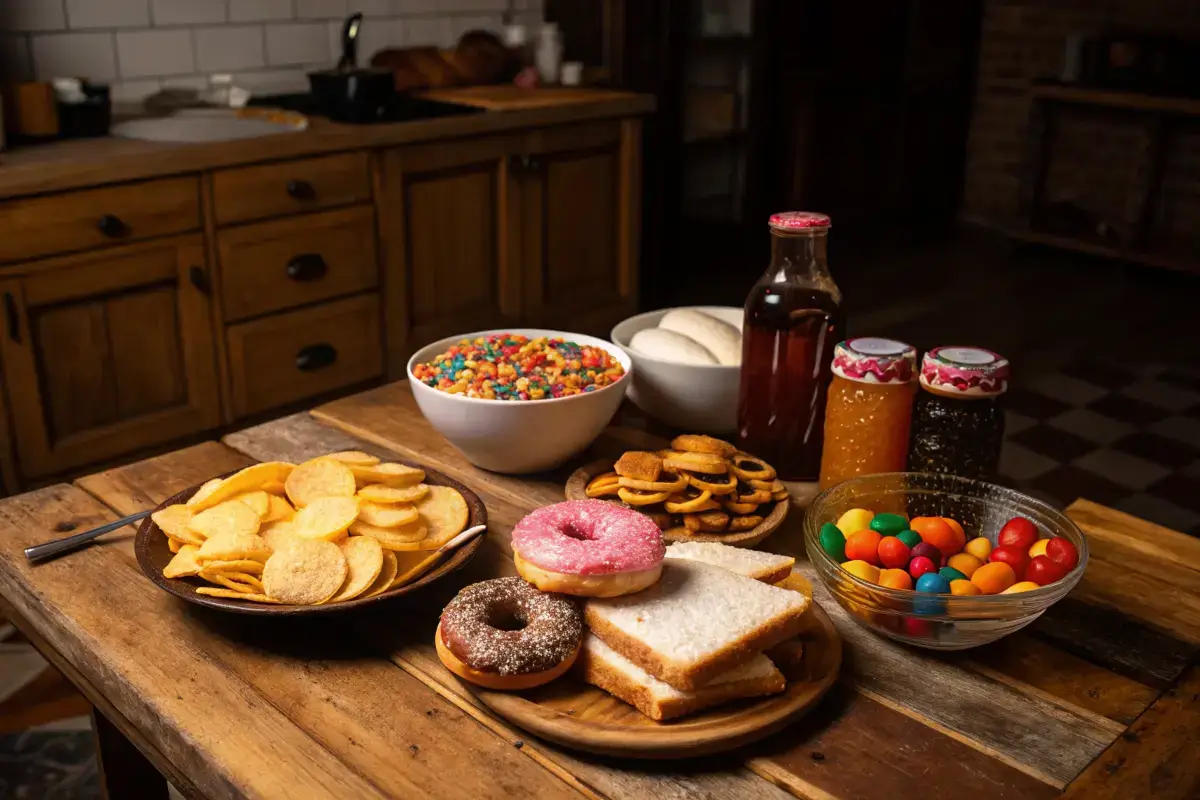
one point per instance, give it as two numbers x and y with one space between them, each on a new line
1098 698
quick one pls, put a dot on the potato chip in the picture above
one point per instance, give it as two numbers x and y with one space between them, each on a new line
406 537
412 565
247 480
307 572
174 545
278 534
256 500
234 546
246 565
173 520
278 509
184 563
388 474
387 516
356 457
386 574
320 477
239 582
325 518
444 512
378 493
274 487
202 494
364 560
231 516
213 591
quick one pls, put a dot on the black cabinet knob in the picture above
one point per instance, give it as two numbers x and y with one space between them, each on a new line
301 190
112 226
315 357
307 267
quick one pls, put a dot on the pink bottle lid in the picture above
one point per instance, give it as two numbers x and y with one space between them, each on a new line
799 220
965 371
868 359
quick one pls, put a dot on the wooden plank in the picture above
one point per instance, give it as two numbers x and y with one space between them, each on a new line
1151 599
1156 759
1039 737
373 717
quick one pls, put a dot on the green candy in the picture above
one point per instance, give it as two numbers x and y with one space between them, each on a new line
889 524
833 542
910 538
951 574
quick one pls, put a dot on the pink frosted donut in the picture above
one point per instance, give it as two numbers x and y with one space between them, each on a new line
588 548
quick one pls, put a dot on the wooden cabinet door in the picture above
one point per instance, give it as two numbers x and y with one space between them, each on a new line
446 230
108 353
578 196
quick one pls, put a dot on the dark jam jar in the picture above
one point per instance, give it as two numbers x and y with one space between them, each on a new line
958 422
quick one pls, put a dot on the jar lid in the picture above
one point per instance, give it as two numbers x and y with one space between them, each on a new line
870 360
965 371
799 220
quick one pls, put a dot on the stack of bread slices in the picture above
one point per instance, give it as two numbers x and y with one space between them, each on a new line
704 634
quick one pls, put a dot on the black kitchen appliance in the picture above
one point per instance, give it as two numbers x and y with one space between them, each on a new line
349 93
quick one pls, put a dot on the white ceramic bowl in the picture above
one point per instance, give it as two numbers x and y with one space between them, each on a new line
700 398
518 437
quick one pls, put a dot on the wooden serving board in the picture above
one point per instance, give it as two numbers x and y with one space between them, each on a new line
577 715
576 489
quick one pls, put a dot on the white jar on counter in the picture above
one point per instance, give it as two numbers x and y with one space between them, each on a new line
548 57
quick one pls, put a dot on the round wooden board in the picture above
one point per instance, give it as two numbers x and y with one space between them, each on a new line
153 554
580 716
576 490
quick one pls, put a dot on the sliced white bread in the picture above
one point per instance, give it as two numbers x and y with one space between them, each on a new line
604 667
696 622
765 567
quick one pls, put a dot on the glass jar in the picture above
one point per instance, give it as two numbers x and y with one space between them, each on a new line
793 319
869 410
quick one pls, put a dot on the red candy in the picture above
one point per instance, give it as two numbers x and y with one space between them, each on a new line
893 553
918 628
1015 557
1043 571
1061 551
1018 532
927 550
920 566
863 546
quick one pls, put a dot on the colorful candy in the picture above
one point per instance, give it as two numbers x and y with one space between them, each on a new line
964 588
909 537
951 574
1018 532
855 520
896 579
1023 586
863 546
894 553
933 583
1013 555
1061 550
927 550
919 566
861 569
964 563
509 366
1039 548
1043 571
981 548
833 542
994 578
889 524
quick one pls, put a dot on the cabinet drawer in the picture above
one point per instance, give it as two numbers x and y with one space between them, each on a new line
271 266
287 357
289 187
64 223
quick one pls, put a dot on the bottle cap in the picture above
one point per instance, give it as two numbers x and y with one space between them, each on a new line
799 220
870 360
965 371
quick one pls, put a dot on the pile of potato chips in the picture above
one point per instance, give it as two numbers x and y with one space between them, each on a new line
338 527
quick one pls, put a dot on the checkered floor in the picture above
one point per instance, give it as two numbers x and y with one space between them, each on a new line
1127 439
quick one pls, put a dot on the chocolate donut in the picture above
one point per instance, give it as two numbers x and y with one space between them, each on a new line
505 627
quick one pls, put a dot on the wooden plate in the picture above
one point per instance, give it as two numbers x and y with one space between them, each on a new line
576 490
153 554
580 716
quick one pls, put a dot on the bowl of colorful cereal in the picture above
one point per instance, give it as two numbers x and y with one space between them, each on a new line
939 561
519 400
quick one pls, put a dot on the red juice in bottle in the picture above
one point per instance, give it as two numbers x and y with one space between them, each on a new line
793 320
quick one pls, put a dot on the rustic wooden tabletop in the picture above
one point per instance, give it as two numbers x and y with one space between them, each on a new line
1099 698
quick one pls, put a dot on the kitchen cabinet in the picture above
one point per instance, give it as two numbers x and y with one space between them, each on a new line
108 352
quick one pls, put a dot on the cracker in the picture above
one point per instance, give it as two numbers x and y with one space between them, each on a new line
745 523
364 561
715 521
318 477
378 493
387 516
234 546
307 572
706 463
639 465
605 485
695 443
232 516
635 497
325 518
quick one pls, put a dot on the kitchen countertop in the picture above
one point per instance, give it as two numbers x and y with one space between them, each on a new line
83 163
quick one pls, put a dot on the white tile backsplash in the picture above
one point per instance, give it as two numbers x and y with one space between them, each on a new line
132 93
259 10
107 13
320 9
275 81
187 12
438 31
297 43
229 48
142 54
83 55
32 15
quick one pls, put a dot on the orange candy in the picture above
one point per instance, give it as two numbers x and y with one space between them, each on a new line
861 569
994 577
1023 586
1038 548
936 531
964 588
863 546
896 579
959 534
964 563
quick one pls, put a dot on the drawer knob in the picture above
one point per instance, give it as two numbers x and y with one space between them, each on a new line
112 226
301 190
307 267
315 357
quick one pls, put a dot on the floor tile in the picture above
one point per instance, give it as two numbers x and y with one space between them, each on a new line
1180 489
1121 468
1033 404
1054 443
1184 429
1127 409
1068 483
1015 423
1159 511
1171 453
1163 395
1022 464
1092 425
1065 388
1096 373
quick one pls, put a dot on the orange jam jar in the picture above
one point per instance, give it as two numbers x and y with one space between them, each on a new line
869 409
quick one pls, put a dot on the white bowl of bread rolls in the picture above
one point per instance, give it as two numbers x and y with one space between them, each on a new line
687 364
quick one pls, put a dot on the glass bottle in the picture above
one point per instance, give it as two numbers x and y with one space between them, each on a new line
793 319
958 421
869 409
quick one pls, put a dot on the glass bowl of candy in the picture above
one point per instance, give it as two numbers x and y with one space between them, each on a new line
938 561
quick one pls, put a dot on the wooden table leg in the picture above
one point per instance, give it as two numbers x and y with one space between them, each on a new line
124 771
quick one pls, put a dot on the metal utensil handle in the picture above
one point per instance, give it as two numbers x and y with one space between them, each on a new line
65 545
349 59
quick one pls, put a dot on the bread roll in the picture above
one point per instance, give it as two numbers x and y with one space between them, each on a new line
719 338
670 346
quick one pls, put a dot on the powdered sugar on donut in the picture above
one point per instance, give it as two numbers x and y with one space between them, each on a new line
588 537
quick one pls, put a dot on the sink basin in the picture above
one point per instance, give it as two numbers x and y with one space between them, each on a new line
215 125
